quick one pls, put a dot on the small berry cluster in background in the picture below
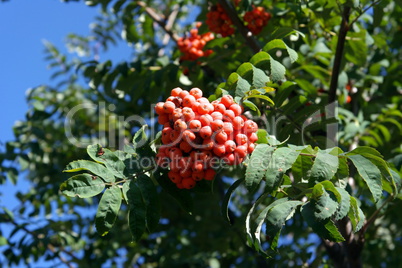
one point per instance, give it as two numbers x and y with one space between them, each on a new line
198 135
256 19
192 46
219 22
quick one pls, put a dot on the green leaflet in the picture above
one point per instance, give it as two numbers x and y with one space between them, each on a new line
278 43
325 165
91 166
282 160
344 204
355 215
107 157
152 202
108 209
257 166
137 210
325 202
82 185
369 173
226 199
262 218
183 197
325 228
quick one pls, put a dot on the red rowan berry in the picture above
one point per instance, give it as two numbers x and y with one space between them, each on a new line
163 118
228 128
196 92
206 119
208 144
188 135
230 146
188 183
217 115
250 148
180 125
236 108
159 108
205 132
220 108
216 125
168 107
228 116
219 149
229 159
227 100
197 176
238 122
188 101
183 93
198 166
176 91
209 174
185 147
252 137
241 151
194 125
221 137
241 139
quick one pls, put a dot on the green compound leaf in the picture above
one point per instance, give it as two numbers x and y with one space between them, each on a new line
325 165
152 201
325 228
226 199
108 209
83 186
137 210
91 166
282 160
369 173
257 166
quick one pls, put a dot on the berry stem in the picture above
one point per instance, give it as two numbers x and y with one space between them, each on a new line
250 40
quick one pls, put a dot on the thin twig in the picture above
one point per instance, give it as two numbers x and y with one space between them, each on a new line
158 19
339 54
231 12
364 11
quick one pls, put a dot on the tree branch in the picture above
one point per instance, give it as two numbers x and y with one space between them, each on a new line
339 54
159 20
249 38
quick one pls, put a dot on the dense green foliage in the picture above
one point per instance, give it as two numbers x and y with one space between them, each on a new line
305 196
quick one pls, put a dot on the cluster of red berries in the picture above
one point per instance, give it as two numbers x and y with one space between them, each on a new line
256 19
199 135
192 46
219 22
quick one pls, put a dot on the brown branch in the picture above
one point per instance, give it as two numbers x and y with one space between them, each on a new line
248 37
339 53
158 19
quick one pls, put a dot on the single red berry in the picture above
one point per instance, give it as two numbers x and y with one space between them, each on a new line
169 107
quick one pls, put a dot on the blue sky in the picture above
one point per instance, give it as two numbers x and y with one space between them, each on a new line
24 24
